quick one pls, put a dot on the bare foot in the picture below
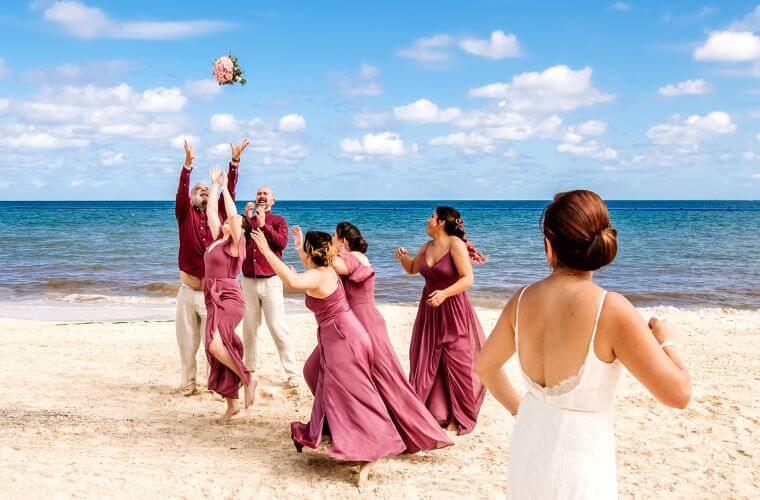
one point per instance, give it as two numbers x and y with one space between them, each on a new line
250 392
189 389
232 410
452 427
364 469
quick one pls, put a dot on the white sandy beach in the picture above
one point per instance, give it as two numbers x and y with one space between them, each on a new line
92 410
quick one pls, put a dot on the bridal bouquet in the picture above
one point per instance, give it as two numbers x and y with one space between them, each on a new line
227 71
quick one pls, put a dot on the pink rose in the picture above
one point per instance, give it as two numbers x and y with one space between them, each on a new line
223 70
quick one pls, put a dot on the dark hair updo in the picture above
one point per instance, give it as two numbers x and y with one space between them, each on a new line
454 226
577 224
318 246
351 233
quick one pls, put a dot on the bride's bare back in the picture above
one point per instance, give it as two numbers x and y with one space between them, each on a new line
556 322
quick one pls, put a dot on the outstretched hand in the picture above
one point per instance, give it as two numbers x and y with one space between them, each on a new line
188 156
297 237
237 150
402 254
217 176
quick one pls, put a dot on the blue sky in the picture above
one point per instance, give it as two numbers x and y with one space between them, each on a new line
495 100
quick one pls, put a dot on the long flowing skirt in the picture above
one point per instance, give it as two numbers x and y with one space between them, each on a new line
445 342
224 307
346 401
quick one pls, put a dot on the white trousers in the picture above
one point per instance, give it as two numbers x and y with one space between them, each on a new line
191 325
265 295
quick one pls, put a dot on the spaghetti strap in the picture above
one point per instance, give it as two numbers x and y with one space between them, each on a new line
517 314
596 321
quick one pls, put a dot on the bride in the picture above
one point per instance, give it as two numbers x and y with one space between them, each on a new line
572 339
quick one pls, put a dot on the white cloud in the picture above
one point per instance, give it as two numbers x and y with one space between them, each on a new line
371 119
98 71
591 127
162 100
425 111
501 117
179 141
30 138
81 21
76 183
292 123
499 46
558 88
94 112
525 128
589 149
4 72
693 129
621 6
145 130
93 95
732 46
384 144
365 83
168 30
572 137
687 87
203 88
750 22
576 134
224 122
78 19
220 150
269 145
467 143
5 105
433 49
109 158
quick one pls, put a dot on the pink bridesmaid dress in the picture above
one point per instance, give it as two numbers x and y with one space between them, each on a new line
415 423
224 308
445 342
346 401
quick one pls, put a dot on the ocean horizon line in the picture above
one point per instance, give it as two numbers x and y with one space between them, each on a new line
607 200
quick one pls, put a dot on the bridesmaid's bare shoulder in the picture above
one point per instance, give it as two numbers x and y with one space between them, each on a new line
458 244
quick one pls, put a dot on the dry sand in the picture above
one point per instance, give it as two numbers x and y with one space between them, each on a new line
92 410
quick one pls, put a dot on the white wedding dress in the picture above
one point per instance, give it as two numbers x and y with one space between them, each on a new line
563 442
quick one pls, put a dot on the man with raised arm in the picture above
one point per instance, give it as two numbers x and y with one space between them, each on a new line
263 288
194 238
